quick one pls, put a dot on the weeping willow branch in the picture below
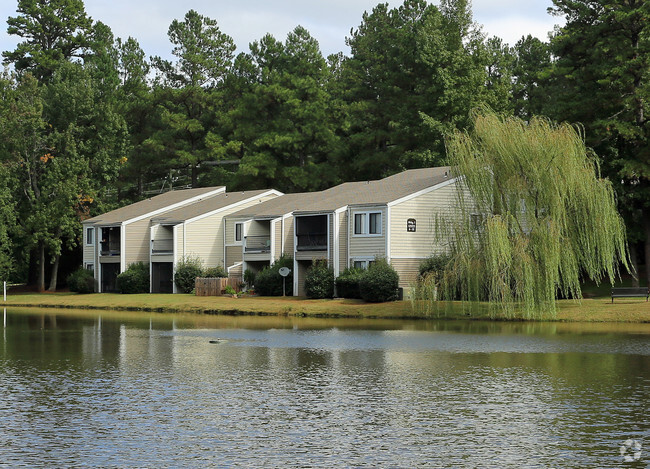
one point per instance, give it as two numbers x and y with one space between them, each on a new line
535 216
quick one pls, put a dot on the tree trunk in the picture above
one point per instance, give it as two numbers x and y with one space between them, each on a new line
41 267
55 273
645 213
634 262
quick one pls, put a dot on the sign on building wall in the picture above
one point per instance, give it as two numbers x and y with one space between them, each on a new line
410 225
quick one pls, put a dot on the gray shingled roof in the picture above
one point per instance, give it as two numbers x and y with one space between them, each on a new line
151 205
208 205
277 207
378 192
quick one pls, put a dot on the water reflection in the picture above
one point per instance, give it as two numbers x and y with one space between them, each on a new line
146 390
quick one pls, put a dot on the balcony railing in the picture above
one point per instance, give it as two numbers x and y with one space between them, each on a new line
257 244
162 246
312 242
109 248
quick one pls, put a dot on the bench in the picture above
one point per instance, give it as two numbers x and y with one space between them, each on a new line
630 292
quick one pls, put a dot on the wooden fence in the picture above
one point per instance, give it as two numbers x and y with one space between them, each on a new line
215 286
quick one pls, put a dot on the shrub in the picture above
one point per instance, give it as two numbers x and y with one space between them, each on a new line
435 263
81 281
135 279
249 278
268 282
186 272
215 272
319 281
379 282
347 284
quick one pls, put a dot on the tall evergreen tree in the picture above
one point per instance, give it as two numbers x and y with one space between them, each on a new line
281 120
186 92
52 31
415 73
600 79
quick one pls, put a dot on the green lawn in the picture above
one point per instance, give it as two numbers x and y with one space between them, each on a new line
591 310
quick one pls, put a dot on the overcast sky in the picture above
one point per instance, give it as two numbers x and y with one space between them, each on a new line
248 20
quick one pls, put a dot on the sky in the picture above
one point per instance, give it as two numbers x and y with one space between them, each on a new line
245 21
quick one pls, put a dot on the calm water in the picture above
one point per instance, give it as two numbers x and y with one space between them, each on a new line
135 390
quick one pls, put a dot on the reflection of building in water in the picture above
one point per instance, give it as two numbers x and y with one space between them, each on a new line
149 345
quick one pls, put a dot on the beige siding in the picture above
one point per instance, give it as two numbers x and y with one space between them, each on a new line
407 270
309 255
303 266
236 272
277 242
288 236
258 228
368 245
233 255
423 209
88 250
229 226
204 239
178 248
343 241
136 238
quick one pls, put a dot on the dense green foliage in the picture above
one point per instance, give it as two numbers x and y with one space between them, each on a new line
187 270
547 218
347 283
214 272
135 279
434 264
82 281
379 282
88 123
319 281
268 281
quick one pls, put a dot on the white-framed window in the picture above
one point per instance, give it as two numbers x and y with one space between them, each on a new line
89 266
239 231
362 263
367 224
90 236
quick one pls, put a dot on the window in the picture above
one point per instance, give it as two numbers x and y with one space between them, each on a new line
362 264
90 266
90 236
367 223
238 231
359 219
375 223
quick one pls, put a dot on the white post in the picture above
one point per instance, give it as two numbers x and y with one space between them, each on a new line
4 290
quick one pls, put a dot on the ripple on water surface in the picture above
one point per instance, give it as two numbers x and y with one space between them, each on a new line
124 396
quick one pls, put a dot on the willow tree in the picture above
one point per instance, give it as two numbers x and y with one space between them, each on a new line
535 216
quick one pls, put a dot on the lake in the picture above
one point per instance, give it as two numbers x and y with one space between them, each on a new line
102 389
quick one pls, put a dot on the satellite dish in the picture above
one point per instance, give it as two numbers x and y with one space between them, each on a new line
284 271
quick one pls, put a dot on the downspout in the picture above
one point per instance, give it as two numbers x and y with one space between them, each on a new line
122 247
388 234
174 257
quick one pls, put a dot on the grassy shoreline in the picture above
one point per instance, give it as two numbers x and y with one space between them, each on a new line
630 310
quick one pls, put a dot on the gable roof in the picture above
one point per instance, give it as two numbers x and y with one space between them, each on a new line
379 192
208 205
277 207
154 205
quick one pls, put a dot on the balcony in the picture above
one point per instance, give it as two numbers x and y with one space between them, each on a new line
311 233
110 242
162 246
257 244
311 242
